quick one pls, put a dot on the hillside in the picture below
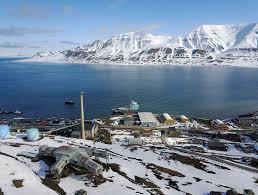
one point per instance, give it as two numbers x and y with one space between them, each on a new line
143 170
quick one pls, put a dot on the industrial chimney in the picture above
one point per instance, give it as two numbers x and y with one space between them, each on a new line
82 116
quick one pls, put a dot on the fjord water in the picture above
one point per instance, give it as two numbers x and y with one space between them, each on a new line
40 89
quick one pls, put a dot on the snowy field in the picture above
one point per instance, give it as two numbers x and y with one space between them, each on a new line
143 170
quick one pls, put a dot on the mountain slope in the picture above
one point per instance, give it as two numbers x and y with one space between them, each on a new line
208 44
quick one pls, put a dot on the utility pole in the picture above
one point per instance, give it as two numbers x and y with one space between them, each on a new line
82 116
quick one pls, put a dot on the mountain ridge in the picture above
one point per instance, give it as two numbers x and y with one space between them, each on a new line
207 44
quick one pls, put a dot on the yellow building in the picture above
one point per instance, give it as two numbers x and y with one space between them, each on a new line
183 119
167 119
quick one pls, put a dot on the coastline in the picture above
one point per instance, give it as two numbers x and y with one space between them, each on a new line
196 64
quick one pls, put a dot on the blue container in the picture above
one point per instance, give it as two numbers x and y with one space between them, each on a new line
32 134
4 131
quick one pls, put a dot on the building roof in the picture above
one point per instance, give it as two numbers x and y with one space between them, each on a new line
146 117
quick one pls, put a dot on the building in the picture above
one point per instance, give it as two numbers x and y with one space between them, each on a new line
255 146
246 121
248 192
255 135
183 119
146 132
195 148
148 119
215 193
167 119
217 146
81 192
90 131
231 192
94 129
128 121
246 148
176 140
80 157
134 141
151 140
219 124
156 133
22 121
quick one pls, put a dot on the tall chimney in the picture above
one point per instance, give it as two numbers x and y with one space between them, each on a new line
82 116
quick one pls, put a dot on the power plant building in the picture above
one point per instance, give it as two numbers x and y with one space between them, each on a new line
148 119
81 157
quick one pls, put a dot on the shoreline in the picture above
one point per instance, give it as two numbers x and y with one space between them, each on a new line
120 64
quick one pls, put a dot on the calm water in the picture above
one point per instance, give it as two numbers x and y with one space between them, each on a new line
39 90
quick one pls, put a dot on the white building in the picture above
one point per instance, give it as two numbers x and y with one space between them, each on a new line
176 140
156 133
148 119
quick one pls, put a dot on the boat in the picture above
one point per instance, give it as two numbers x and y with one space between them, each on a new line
133 107
120 110
10 112
17 112
70 102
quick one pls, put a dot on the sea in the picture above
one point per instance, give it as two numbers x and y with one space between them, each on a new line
40 89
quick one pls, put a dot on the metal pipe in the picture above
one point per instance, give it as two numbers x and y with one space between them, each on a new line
82 116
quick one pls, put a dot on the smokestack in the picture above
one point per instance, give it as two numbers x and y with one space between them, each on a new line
82 116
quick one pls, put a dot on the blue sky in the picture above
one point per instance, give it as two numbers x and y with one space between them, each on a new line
30 26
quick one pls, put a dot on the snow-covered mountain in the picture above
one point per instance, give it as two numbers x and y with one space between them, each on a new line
208 44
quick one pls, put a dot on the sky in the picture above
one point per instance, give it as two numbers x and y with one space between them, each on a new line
30 26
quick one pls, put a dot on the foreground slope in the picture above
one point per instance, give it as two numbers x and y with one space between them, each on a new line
144 170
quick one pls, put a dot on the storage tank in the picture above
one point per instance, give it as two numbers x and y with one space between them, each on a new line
167 119
4 131
32 134
183 119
